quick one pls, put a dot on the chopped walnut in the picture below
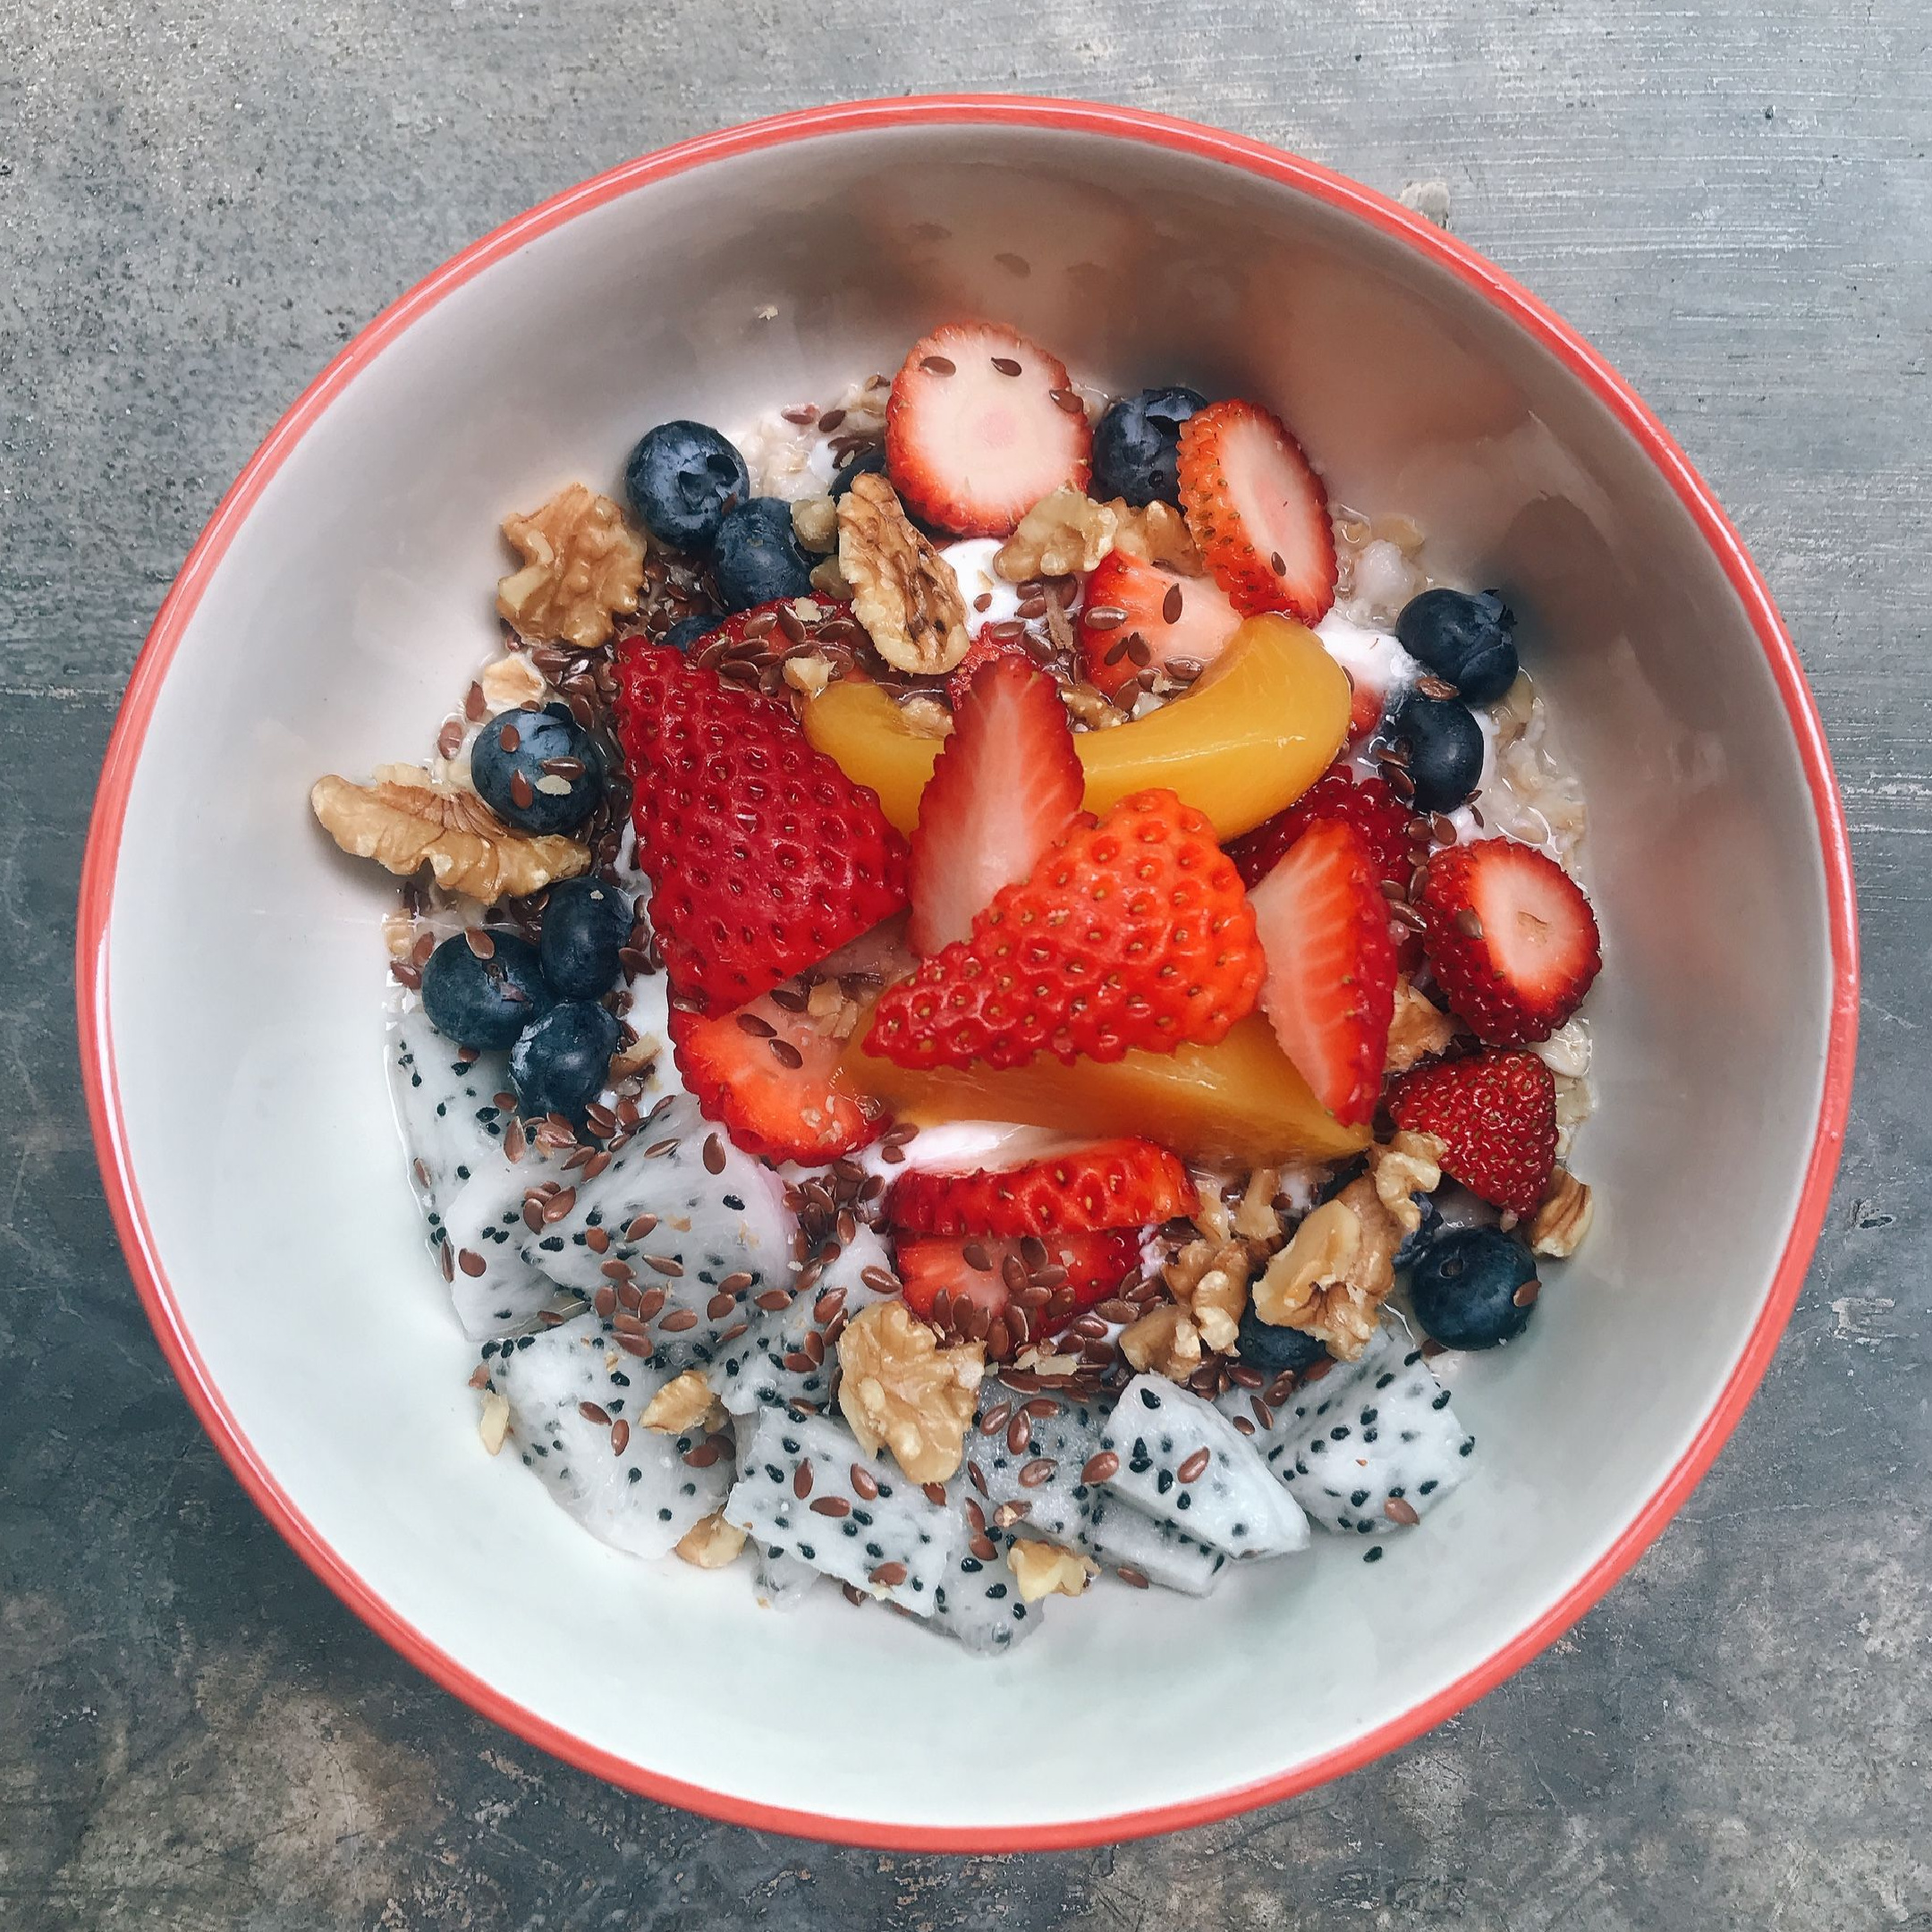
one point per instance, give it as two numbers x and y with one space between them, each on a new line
494 1425
404 822
830 583
1042 1569
903 591
808 674
1410 1165
638 1057
926 717
1209 1280
1418 1029
830 1011
1066 530
399 933
1255 1219
1561 1223
683 1401
899 1387
815 523
512 683
1212 1216
1331 1280
1164 1342
1091 709
1157 534
711 1543
582 566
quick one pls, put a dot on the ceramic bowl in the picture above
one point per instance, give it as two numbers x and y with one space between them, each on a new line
231 967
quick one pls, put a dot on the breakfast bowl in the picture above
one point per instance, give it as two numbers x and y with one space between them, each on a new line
232 1039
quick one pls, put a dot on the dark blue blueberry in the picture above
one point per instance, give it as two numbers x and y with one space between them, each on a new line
561 1062
868 462
687 630
1445 749
681 479
1465 640
585 922
1464 1287
758 557
484 1002
1414 1245
1136 443
513 761
1263 1346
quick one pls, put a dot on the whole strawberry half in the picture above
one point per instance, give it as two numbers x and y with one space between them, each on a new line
1137 617
1113 1184
1009 1293
763 856
1131 933
1496 1115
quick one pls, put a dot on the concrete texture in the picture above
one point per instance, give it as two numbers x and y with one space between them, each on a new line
200 200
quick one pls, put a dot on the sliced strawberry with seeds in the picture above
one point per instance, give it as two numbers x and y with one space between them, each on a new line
1113 1184
1495 1116
1137 616
1366 804
981 424
1011 1292
987 647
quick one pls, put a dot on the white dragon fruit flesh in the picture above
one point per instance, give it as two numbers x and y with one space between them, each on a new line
978 1603
494 1289
1122 1537
446 1104
1016 1431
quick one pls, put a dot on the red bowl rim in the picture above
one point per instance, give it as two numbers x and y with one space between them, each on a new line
1159 131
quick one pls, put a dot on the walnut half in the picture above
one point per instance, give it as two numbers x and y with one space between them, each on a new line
1332 1279
582 565
899 1387
903 591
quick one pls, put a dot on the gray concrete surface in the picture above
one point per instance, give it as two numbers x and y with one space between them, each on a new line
199 199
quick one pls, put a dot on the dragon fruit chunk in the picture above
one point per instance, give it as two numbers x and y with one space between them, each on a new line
1183 1461
1056 1429
784 1581
1120 1536
494 1289
978 1603
446 1106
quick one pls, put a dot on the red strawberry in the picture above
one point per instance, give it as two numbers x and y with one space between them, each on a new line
1366 804
945 1282
1131 933
1171 615
985 650
1496 1114
1258 511
768 1075
1007 783
1510 937
1330 989
1366 706
763 856
1112 1184
979 426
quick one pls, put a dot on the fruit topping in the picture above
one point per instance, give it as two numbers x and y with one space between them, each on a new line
980 425
688 631
758 557
1366 804
1473 1287
585 923
1112 1184
681 480
870 460
988 647
482 989
764 858
1330 988
1510 937
1136 444
1444 745
1006 787
1366 706
1008 1292
1137 617
1464 640
561 1060
1495 1116
1133 933
1258 511
1272 1350
536 770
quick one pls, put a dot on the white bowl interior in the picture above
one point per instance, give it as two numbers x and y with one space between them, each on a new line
245 975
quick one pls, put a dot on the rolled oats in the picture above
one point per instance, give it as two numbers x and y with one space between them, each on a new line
1045 1570
711 1543
900 1388
903 591
1561 1223
1163 1341
1331 1280
683 1401
582 567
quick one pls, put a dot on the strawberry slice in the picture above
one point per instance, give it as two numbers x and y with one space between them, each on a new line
1496 1115
1366 706
981 424
1330 989
985 649
763 856
1007 784
768 1074
1131 933
1258 511
1366 804
1112 1184
1510 937
1010 1292
1162 616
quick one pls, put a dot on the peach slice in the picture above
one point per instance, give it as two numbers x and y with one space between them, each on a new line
1240 1100
1254 733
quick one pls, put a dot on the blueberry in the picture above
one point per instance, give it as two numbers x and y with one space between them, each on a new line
584 921
1463 639
1464 1287
1414 1245
758 557
1445 748
1137 442
870 460
561 1062
681 479
508 765
687 630
479 1002
1263 1346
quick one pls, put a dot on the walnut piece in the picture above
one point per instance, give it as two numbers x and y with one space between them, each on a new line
512 683
903 591
1561 1223
494 1425
815 523
1042 1569
1164 1342
683 1401
1410 1165
926 717
807 674
1209 1279
1066 530
1417 1029
1255 1219
1331 1280
404 822
1157 534
711 1543
899 1387
582 565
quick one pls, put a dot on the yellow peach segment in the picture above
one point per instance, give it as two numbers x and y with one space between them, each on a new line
1240 1100
1252 736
